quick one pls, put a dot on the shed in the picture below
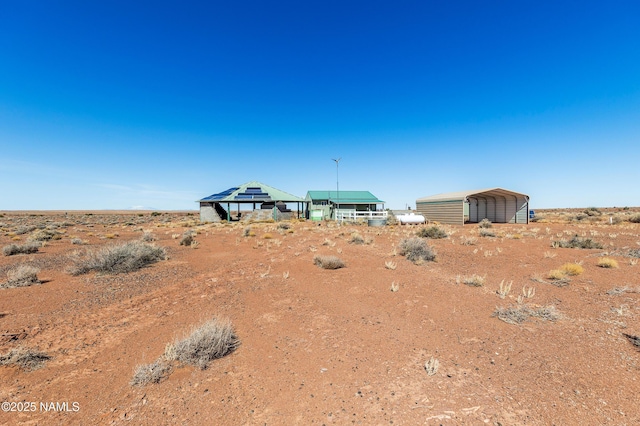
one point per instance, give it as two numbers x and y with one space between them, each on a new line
496 204
252 195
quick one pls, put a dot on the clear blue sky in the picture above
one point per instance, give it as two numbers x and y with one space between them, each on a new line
118 104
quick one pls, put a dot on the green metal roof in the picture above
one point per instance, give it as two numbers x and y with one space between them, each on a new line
346 197
252 192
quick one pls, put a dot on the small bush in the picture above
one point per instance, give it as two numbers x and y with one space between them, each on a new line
116 259
416 250
247 232
484 232
151 373
187 238
577 242
328 262
27 248
485 223
635 218
468 241
356 239
473 280
77 241
212 340
44 235
25 358
607 262
520 313
284 226
433 232
24 229
572 269
22 276
148 237
634 253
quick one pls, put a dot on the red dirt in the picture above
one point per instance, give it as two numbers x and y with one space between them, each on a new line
325 346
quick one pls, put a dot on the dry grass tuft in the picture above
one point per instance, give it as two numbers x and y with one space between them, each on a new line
572 269
212 340
468 241
472 280
504 289
607 262
187 238
484 232
151 373
416 250
116 259
328 262
25 358
356 239
390 265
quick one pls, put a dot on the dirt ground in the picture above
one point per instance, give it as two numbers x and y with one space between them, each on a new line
324 346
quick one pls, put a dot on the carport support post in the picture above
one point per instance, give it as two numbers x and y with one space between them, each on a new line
228 212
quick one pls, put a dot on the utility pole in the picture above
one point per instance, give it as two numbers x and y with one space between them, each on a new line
337 185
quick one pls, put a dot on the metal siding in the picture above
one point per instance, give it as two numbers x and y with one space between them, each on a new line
482 209
522 216
511 210
491 209
501 210
443 211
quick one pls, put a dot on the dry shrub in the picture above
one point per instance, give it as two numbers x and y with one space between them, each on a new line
572 269
44 235
356 239
416 250
607 262
151 373
21 276
187 238
116 259
11 249
635 218
474 280
577 242
485 223
148 237
468 241
484 232
520 313
25 358
433 232
212 340
328 262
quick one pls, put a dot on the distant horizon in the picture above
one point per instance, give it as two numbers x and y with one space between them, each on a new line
416 98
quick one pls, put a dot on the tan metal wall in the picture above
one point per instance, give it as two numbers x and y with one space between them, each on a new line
451 212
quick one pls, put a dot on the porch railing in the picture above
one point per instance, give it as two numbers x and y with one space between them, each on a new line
360 215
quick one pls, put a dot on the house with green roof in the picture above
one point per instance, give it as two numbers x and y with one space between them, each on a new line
251 200
344 205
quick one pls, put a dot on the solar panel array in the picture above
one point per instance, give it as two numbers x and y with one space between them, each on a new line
220 195
252 193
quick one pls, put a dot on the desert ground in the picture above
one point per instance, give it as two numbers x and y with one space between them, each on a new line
383 340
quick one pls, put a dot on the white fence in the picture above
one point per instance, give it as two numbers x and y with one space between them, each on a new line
356 215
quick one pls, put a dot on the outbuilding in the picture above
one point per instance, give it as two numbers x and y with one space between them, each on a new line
457 208
253 200
344 205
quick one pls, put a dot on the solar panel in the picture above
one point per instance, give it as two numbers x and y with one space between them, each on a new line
253 189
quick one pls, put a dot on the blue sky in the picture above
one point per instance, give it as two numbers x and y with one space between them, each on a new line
111 105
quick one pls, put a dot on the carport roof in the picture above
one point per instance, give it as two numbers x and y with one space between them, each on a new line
465 195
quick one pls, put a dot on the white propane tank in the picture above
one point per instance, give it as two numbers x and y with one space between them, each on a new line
410 219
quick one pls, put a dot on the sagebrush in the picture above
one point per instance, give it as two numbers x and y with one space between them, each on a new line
416 250
116 259
212 340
